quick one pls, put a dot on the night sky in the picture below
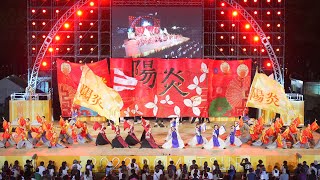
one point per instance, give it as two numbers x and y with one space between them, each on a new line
302 36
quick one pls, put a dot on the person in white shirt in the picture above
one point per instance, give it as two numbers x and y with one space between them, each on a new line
179 172
133 165
78 165
276 172
157 173
264 175
41 168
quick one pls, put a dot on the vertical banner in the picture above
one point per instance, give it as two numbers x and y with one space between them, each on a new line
69 75
229 86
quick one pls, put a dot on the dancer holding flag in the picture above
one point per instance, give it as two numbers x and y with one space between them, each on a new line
131 138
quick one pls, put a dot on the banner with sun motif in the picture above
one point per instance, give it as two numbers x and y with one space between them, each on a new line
68 75
229 85
268 94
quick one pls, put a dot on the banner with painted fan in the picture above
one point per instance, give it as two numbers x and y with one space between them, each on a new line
69 75
229 85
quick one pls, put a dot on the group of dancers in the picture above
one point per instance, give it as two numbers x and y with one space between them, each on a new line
253 132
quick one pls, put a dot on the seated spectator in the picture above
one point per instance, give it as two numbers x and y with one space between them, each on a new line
51 168
284 175
28 169
264 175
41 168
133 175
63 170
172 168
157 173
276 173
251 175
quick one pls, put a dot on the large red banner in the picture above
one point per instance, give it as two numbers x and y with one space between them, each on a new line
153 87
69 75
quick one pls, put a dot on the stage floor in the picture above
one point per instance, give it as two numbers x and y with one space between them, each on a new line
186 131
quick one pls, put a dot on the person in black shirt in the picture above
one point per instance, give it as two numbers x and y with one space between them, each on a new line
28 169
133 175
193 165
172 168
159 165
246 166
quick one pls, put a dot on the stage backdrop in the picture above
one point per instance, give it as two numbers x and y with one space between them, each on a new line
153 87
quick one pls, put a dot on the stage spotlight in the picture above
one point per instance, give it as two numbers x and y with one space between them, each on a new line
234 13
33 36
91 3
222 12
256 38
247 26
268 12
43 23
223 4
33 23
79 13
233 25
244 37
278 25
57 11
268 64
68 36
244 49
44 64
44 11
66 25
50 49
279 37
57 38
255 12
222 25
279 12
268 25
33 11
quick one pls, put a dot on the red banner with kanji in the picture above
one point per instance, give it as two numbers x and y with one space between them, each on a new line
153 87
68 75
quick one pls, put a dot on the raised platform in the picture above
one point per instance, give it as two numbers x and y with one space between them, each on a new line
102 154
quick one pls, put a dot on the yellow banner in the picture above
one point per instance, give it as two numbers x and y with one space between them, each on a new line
94 94
267 94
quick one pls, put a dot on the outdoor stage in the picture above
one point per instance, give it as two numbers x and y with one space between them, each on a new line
102 154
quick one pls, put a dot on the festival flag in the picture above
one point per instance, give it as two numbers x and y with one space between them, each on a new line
94 94
126 125
314 126
266 93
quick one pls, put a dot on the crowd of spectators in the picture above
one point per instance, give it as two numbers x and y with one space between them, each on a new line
132 171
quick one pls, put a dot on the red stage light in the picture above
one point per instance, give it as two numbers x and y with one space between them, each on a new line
44 64
279 12
57 11
221 49
33 11
255 49
33 36
43 36
91 36
268 1
262 50
57 49
33 23
66 25
80 49
232 49
222 25
68 49
80 23
255 0
255 12
50 49
33 48
91 11
268 25
268 12
247 26
245 1
278 49
44 11
79 13
44 23
279 37
223 4
279 1
278 25
234 13
233 25
256 38
91 49
244 49
91 24
221 37
91 3
232 37
222 12
80 36
268 64
244 37
57 38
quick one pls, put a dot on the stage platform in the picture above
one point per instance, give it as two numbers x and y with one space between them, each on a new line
102 154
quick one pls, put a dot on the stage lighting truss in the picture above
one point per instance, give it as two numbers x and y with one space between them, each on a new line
57 25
